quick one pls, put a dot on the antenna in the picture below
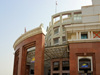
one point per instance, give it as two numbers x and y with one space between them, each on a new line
25 30
56 6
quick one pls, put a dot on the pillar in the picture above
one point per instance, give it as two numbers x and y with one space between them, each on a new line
39 56
22 61
16 60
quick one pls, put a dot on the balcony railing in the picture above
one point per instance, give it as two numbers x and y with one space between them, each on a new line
68 21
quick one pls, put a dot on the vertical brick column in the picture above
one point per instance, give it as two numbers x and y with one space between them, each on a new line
60 66
16 58
51 68
39 56
73 64
22 61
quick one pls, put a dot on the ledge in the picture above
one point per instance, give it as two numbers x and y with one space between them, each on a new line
84 40
28 34
83 27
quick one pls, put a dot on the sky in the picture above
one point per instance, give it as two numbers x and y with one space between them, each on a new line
15 15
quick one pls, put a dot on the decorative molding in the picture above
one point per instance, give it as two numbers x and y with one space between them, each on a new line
28 34
82 27
84 40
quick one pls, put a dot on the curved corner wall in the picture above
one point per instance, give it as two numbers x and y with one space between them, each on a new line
35 37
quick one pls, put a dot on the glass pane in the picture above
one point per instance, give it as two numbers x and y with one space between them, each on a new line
49 72
63 29
56 40
85 65
56 74
32 71
84 36
56 30
56 66
65 74
64 38
65 65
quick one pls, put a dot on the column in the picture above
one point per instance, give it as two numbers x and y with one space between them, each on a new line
51 68
72 17
89 37
39 56
16 60
15 65
52 34
77 35
61 20
52 20
22 61
91 34
60 66
60 30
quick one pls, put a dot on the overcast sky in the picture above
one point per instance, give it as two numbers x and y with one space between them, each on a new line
15 15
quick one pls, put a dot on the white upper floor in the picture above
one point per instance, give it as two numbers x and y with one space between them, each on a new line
84 19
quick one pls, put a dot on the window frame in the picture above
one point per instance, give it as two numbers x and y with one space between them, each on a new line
56 42
56 32
84 35
56 65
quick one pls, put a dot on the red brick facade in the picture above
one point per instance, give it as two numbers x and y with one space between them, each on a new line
84 49
20 67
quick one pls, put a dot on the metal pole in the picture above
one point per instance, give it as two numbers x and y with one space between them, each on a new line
56 6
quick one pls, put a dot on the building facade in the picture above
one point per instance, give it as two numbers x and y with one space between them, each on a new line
70 47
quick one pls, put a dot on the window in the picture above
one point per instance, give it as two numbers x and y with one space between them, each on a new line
63 28
65 74
84 64
77 17
56 74
65 16
63 38
84 35
32 71
56 40
56 66
49 72
56 30
49 36
65 65
56 18
60 67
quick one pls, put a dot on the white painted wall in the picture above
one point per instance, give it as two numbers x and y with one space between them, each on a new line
91 13
96 2
90 19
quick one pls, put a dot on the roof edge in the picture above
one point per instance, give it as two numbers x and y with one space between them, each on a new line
30 33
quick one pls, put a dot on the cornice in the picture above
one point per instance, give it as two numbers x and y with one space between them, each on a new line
83 40
83 27
28 34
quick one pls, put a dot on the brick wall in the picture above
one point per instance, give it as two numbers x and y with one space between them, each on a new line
84 49
37 41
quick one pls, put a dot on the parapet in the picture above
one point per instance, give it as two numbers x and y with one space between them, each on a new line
30 33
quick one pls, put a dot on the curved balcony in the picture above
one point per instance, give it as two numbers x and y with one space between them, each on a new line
67 17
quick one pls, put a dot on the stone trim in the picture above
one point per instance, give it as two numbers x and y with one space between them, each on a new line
84 40
83 27
28 34
89 57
